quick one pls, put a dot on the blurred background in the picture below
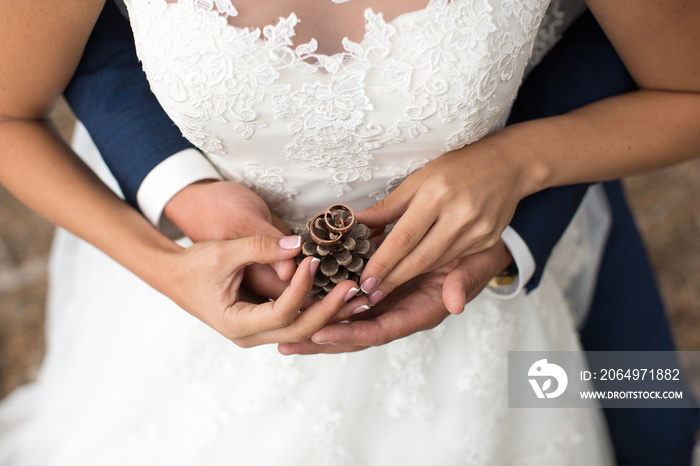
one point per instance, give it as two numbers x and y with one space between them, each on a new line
666 205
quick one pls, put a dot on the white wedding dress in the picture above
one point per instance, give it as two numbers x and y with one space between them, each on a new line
130 379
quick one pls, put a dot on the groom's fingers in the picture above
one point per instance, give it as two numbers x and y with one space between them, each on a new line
471 275
309 347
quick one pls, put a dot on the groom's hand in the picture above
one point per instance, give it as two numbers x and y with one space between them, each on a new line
420 304
220 210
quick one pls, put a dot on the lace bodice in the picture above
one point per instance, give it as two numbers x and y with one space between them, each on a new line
306 129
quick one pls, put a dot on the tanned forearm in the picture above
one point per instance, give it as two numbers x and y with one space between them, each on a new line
609 139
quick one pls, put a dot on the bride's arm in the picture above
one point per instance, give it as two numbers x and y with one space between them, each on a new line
654 127
460 203
40 52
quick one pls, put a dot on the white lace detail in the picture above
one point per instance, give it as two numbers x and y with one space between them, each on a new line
559 16
400 174
269 184
328 439
549 33
223 7
408 359
448 69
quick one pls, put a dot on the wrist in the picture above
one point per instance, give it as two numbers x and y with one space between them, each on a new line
521 147
187 203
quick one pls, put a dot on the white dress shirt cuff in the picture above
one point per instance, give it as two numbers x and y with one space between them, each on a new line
167 179
523 261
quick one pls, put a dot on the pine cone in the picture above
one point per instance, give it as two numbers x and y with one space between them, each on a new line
341 243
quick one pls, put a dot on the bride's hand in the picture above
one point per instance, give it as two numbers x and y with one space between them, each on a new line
457 205
206 280
420 304
219 210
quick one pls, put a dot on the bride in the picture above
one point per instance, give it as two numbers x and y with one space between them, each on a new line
306 119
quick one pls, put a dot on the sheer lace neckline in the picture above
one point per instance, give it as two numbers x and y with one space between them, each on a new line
286 26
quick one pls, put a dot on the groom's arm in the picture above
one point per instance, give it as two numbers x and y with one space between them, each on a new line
141 146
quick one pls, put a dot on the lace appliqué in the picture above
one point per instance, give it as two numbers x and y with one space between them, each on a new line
408 359
446 70
549 33
328 440
269 184
400 174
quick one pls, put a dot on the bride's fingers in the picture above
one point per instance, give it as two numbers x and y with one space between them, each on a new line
242 320
429 255
285 269
264 280
404 237
311 320
390 208
262 249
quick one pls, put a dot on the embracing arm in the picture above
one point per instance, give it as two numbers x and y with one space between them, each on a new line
158 170
651 128
581 69
110 95
656 126
37 166
40 53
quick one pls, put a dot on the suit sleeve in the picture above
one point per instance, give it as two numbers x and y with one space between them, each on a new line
111 96
581 69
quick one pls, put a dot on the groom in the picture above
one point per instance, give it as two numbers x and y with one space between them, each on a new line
152 163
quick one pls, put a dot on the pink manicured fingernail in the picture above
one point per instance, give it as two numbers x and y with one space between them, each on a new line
350 294
375 297
314 266
362 308
369 284
290 242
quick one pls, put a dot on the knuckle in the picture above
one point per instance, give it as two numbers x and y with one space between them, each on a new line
380 339
232 334
485 229
227 328
217 252
298 336
467 210
492 241
282 319
441 185
382 204
378 268
403 239
243 343
421 261
256 244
